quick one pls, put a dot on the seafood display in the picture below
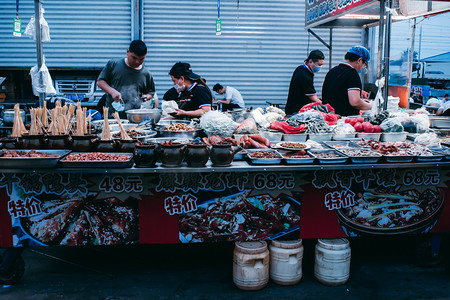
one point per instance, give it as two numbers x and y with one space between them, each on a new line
239 217
75 220
390 209
31 153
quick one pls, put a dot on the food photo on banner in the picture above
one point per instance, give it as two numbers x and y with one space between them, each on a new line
376 202
72 210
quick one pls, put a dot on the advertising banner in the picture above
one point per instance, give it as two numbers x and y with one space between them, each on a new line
320 11
70 209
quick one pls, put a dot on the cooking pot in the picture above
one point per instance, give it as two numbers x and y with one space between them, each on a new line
8 116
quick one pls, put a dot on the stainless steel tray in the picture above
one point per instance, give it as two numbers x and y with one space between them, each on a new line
33 162
372 158
296 161
335 160
445 151
99 163
264 161
399 158
343 144
240 155
434 157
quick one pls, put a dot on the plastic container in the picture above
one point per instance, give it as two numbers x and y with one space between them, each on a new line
320 137
332 261
286 261
272 135
295 137
394 136
251 265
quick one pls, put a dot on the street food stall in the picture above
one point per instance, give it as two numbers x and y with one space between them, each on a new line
250 175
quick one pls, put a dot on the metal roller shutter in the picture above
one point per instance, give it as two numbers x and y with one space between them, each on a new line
262 42
84 33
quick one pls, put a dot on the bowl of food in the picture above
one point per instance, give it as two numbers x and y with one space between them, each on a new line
390 212
141 115
180 130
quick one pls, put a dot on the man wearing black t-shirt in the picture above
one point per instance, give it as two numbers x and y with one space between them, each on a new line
342 85
301 88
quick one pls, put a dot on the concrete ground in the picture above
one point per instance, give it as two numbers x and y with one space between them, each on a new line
381 268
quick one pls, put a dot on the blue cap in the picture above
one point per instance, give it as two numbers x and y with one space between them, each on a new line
361 52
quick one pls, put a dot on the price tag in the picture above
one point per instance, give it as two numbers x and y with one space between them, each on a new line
218 27
17 27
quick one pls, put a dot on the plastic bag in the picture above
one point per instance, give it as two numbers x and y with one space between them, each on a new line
344 128
422 121
30 30
308 115
378 101
150 103
168 107
272 116
391 125
429 139
248 126
217 123
259 118
41 81
392 106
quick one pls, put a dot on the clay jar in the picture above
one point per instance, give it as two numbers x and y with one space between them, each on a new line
145 155
171 154
105 145
83 143
196 155
126 145
58 141
33 141
222 155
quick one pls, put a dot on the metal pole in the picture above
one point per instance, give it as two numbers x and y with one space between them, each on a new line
411 55
380 38
387 50
40 57
330 62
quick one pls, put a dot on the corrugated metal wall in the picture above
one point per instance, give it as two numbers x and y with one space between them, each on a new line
84 33
262 42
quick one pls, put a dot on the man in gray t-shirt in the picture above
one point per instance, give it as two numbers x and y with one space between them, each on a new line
127 80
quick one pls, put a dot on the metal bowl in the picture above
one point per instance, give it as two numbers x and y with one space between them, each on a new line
141 115
189 134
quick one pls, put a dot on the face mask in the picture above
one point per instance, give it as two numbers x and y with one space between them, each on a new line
118 106
317 69
179 87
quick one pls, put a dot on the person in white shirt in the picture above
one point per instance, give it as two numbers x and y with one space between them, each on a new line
233 98
444 110
433 101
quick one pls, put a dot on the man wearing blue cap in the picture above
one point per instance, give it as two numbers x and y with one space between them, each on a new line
342 85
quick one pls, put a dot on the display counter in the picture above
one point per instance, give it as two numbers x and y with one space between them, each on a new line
110 206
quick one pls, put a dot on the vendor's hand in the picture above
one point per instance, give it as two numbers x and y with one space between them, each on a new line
364 94
178 112
146 97
117 96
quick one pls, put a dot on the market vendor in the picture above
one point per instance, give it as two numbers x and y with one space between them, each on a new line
342 85
126 81
232 99
301 88
196 97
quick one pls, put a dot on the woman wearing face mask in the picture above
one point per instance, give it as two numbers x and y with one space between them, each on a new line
301 88
195 94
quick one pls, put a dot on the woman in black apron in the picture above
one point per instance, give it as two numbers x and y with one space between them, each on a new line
196 97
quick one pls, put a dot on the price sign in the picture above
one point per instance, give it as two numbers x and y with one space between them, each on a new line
17 31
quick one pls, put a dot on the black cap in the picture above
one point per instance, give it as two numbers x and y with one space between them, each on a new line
315 55
183 69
